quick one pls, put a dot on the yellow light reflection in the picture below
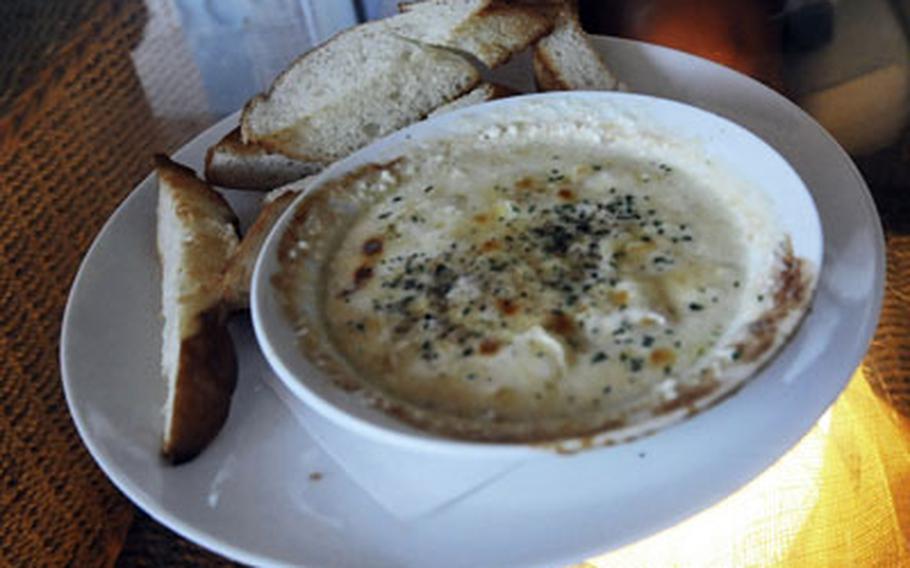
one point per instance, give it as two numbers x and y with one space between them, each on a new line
837 498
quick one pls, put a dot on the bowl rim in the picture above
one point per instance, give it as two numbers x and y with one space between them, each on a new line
263 308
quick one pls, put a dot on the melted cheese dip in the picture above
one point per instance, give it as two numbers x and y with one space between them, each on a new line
535 283
536 279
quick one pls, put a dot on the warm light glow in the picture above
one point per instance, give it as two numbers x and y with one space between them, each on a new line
775 503
810 507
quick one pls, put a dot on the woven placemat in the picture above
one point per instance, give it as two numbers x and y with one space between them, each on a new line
74 140
59 179
887 366
148 544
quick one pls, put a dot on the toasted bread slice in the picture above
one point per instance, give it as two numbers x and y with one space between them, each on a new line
490 30
239 272
197 233
362 84
231 163
485 92
565 60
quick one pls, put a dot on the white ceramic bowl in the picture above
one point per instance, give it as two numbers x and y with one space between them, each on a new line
723 142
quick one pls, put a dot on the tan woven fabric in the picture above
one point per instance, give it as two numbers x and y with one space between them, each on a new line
42 26
77 127
150 545
55 505
839 498
888 363
73 142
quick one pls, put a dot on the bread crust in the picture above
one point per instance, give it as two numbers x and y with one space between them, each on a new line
206 378
206 366
282 141
232 163
240 265
491 32
488 92
196 195
548 74
247 136
530 21
496 29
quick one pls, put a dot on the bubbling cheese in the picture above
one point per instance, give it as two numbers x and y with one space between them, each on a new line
536 283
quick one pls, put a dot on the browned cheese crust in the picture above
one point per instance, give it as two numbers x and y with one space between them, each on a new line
791 293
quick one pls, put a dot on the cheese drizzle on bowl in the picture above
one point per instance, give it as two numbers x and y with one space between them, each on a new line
538 282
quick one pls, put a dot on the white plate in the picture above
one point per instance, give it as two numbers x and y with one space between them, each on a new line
249 495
